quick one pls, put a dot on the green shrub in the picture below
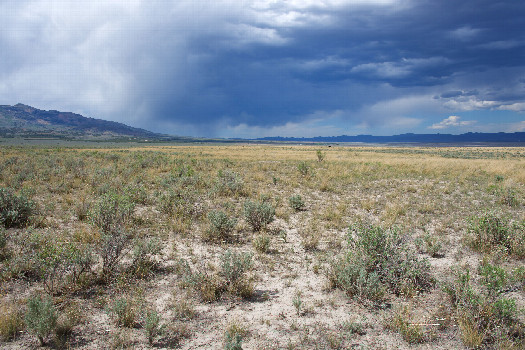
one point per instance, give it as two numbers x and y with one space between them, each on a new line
229 183
484 316
3 243
15 210
258 214
297 302
143 252
152 325
61 263
205 282
111 212
320 155
67 320
234 269
124 311
303 168
429 244
509 197
220 226
296 202
490 231
234 334
261 243
41 317
183 308
494 278
233 341
178 202
379 260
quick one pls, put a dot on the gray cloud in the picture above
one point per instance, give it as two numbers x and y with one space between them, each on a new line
226 67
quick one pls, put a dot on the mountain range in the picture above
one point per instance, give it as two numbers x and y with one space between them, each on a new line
27 121
469 137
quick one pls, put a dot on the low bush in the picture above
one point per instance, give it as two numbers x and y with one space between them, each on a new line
261 243
124 311
485 316
234 334
430 244
3 243
204 281
183 308
143 253
378 261
229 183
152 325
67 320
320 155
258 214
296 202
303 168
234 269
178 201
62 264
41 317
112 214
490 231
220 226
15 210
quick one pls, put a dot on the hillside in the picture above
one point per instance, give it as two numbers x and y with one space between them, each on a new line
22 120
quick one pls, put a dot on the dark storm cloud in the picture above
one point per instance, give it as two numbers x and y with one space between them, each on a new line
204 68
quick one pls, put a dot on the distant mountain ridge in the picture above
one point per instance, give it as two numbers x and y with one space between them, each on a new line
472 137
23 120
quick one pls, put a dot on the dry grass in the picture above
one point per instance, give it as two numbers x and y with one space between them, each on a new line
431 195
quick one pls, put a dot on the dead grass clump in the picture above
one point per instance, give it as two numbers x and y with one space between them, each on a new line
412 332
11 320
183 308
311 236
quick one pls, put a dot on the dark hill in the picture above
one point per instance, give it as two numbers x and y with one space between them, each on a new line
22 120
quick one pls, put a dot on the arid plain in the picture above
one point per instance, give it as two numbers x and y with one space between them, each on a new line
262 247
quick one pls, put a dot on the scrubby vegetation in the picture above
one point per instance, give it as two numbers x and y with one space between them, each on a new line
379 261
263 247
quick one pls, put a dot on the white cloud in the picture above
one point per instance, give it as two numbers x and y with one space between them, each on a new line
452 121
516 107
399 69
469 104
242 34
501 44
465 33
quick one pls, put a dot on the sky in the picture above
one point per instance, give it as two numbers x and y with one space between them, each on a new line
256 68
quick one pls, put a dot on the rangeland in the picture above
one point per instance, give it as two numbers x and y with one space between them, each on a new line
262 247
